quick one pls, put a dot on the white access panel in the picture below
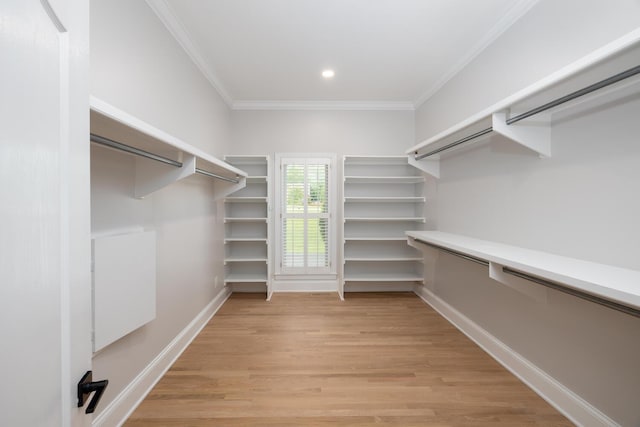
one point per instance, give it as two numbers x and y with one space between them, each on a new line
124 285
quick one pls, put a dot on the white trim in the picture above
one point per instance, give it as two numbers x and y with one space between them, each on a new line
517 11
177 30
325 105
117 412
576 409
304 285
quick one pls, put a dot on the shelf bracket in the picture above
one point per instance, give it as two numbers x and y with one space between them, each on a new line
536 137
223 188
429 166
153 176
537 293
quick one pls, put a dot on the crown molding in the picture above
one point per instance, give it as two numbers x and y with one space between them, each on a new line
324 105
177 30
517 11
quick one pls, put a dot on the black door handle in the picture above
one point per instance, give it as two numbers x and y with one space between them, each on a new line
86 387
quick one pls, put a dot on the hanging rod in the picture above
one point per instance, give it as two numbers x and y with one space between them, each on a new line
556 102
142 153
549 284
586 296
455 143
577 94
456 253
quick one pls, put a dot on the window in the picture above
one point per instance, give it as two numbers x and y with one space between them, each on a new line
305 225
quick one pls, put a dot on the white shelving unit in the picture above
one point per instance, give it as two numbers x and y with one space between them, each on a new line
161 159
383 197
247 227
525 117
608 285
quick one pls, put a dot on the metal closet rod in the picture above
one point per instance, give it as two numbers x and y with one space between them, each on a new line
549 284
556 102
142 153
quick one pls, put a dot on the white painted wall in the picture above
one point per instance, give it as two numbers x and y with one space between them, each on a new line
340 132
579 203
138 67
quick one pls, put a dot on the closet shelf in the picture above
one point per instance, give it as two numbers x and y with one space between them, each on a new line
525 116
383 179
382 259
379 277
376 161
245 239
119 130
374 239
385 219
236 219
384 199
247 259
245 200
246 278
611 286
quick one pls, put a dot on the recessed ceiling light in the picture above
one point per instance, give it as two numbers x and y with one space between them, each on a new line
327 74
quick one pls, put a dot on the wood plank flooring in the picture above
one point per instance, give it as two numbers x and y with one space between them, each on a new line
312 360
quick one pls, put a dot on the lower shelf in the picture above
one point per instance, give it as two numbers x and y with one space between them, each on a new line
381 277
246 278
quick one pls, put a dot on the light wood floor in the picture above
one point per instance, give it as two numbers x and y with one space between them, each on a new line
311 360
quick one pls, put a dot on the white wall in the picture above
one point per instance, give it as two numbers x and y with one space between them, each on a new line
580 203
341 132
138 67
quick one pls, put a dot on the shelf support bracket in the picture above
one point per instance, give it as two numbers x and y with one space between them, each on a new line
537 293
429 166
223 188
152 176
536 137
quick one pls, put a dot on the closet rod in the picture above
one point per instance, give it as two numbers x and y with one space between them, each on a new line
455 143
570 97
556 102
142 153
132 150
557 286
456 253
586 296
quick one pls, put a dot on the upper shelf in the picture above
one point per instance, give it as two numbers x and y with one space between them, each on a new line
525 116
113 125
604 282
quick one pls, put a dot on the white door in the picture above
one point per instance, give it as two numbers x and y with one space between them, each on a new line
45 283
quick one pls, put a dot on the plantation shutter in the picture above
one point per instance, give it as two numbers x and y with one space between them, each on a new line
305 216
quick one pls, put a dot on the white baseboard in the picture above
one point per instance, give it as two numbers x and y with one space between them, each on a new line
304 285
378 287
117 412
576 409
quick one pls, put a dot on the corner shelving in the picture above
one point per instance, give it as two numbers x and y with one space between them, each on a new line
247 226
383 197
161 159
525 117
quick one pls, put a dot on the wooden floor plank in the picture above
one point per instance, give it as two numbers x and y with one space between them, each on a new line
312 360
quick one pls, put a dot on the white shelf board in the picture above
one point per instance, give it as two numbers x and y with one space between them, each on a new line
587 70
375 277
388 219
248 199
246 160
375 239
235 219
245 239
246 278
240 259
257 178
384 199
384 179
382 259
609 282
113 123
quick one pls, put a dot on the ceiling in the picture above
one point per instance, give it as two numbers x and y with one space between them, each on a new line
387 54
